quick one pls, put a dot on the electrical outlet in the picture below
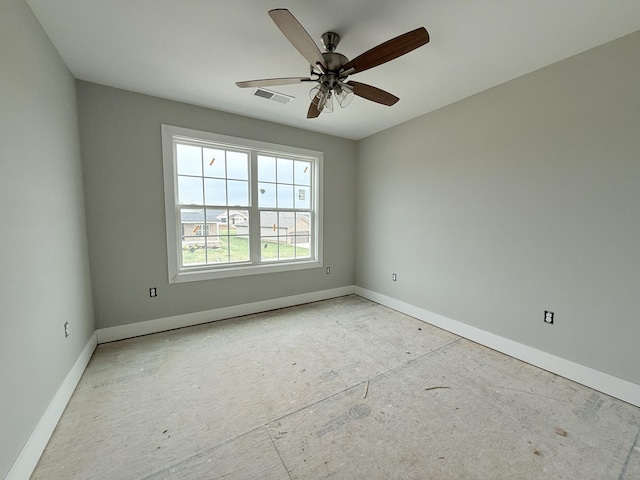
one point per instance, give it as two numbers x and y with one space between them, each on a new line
328 270
548 317
394 277
66 329
153 292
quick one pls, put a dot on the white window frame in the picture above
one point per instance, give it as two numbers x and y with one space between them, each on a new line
178 274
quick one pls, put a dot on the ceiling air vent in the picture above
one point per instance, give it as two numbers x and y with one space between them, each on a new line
275 96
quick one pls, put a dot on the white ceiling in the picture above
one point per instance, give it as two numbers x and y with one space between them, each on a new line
195 50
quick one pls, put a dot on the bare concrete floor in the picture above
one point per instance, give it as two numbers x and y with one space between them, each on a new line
281 395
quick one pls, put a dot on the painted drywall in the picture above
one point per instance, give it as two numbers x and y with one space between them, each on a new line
122 159
521 199
45 264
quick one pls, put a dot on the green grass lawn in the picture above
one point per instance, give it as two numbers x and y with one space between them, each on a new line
239 249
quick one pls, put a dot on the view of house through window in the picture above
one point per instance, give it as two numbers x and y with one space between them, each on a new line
284 200
238 204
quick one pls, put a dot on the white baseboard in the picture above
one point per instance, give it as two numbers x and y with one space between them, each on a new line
28 459
603 382
121 332
30 454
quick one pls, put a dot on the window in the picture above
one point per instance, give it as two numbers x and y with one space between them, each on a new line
239 207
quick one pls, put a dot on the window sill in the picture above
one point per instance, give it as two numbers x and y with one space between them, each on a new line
196 275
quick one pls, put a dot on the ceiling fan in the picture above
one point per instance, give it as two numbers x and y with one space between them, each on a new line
331 69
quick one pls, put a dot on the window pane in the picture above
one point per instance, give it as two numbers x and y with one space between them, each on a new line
193 251
190 218
267 195
218 251
302 172
192 242
213 227
286 223
189 191
214 162
214 243
216 215
266 169
215 191
239 248
189 160
268 224
287 248
238 193
238 165
302 197
285 170
302 250
303 225
239 222
223 224
285 196
268 248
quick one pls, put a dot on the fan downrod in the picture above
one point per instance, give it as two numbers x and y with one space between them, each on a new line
330 41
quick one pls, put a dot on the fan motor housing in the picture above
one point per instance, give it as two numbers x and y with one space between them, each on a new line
334 61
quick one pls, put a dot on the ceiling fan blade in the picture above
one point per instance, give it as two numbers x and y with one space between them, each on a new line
314 111
271 82
372 93
297 35
387 51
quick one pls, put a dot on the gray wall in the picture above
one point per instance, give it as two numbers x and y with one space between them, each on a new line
520 199
45 268
122 159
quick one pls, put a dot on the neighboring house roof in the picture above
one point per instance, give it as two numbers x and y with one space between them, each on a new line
192 216
287 219
197 216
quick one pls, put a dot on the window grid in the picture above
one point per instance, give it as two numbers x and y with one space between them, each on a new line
196 174
285 207
285 234
207 191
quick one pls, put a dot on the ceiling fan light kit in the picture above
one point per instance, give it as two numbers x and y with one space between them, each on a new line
323 97
331 69
344 94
